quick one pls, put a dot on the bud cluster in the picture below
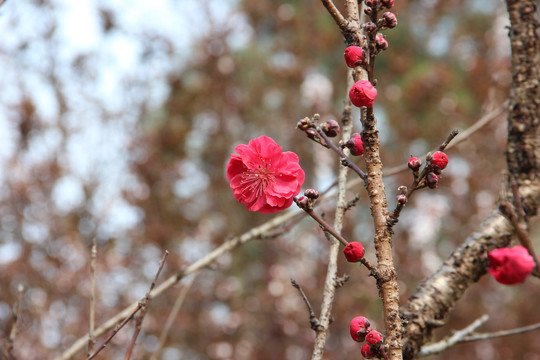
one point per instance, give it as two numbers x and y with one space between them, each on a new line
435 164
309 127
306 202
360 329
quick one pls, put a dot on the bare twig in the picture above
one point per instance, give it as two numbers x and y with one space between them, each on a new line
140 305
468 334
345 160
15 327
457 337
485 336
145 303
325 226
91 339
313 321
172 316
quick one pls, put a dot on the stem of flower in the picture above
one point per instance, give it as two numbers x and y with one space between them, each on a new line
326 227
345 159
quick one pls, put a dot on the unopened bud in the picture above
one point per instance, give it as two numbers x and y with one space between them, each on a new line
387 3
414 163
330 128
432 180
355 145
311 194
390 19
303 124
313 134
303 202
380 42
369 27
401 199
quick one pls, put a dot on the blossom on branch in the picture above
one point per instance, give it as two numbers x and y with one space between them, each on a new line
510 266
264 178
362 93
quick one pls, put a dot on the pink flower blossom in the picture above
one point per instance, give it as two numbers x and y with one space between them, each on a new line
264 178
362 93
510 266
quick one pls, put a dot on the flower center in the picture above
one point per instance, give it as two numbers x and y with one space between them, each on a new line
258 177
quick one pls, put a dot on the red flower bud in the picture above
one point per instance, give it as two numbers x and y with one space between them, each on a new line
362 93
354 251
330 128
359 328
303 202
311 194
390 19
353 56
440 159
369 26
510 266
387 3
355 145
432 180
367 352
402 199
414 163
374 337
380 42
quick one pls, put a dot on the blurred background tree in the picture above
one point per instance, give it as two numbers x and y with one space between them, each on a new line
117 120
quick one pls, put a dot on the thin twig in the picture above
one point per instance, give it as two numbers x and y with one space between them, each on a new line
172 316
457 337
15 327
344 158
91 339
485 336
449 138
313 321
325 226
133 311
145 303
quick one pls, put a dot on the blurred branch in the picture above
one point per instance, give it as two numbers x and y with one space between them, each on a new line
457 337
331 273
468 335
138 306
172 316
93 255
255 233
8 351
145 303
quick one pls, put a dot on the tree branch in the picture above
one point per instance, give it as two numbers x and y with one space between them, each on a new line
331 273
